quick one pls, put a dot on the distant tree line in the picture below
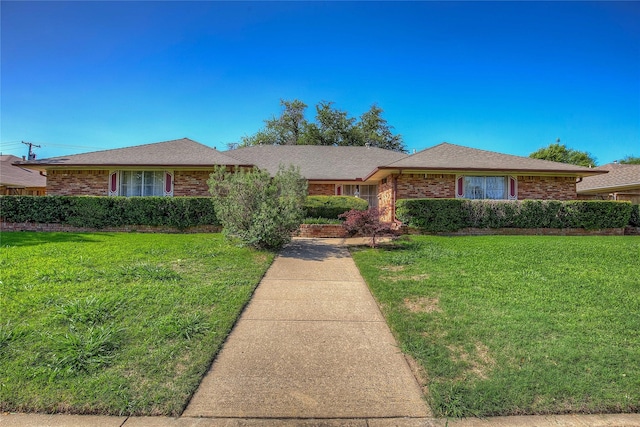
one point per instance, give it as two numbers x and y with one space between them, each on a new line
557 152
331 127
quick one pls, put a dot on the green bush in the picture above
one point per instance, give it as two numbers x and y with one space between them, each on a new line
438 215
257 209
433 214
635 216
332 206
44 210
99 212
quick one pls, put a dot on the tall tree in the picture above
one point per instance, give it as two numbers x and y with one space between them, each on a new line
560 153
376 131
335 126
287 129
631 160
331 127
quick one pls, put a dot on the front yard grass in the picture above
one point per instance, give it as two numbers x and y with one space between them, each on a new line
507 325
116 323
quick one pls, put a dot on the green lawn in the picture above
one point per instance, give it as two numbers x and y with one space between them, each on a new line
116 323
515 325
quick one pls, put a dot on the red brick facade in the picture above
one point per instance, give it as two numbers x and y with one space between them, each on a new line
191 183
418 186
322 189
547 188
77 182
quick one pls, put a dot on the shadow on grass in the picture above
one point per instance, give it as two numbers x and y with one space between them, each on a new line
33 238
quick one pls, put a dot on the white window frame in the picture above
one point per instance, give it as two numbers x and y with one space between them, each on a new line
511 190
115 179
350 190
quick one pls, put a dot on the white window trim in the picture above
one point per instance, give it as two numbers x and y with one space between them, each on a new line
167 183
512 184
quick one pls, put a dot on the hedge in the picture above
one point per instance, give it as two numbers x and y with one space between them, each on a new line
100 212
635 216
331 206
441 215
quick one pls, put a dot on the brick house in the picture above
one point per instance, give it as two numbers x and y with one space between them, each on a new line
181 168
622 182
19 181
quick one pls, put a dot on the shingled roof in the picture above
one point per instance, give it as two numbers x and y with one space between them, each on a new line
176 153
318 162
620 177
18 177
447 157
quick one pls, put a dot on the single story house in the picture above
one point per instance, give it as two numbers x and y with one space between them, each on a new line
181 168
19 181
622 182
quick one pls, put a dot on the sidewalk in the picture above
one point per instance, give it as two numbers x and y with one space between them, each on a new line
311 349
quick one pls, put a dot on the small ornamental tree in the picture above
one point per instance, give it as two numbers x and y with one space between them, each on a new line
366 223
257 209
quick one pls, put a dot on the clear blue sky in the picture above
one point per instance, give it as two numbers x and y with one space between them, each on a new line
503 76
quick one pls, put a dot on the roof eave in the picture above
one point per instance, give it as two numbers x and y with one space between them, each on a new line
547 172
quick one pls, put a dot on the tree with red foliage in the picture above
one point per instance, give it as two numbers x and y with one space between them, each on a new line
366 223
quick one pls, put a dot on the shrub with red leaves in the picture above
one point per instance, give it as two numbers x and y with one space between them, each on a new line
366 223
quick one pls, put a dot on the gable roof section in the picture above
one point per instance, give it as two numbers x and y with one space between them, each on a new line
176 153
620 177
453 158
318 162
18 177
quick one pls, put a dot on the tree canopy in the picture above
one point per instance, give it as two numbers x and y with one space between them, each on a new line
331 127
557 152
631 160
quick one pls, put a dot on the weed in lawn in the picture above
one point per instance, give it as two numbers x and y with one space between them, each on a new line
147 271
85 349
185 326
92 310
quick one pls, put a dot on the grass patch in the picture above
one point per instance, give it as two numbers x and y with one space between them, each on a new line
508 325
116 323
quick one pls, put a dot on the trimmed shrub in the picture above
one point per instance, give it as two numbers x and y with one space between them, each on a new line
634 221
433 214
332 206
99 212
439 215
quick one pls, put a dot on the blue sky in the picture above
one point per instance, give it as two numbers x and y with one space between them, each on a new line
502 76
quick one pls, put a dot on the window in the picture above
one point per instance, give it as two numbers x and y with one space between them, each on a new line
487 187
141 183
366 192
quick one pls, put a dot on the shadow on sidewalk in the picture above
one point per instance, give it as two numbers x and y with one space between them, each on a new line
313 250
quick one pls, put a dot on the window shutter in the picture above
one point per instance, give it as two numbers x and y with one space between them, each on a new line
459 187
168 183
113 183
338 190
513 188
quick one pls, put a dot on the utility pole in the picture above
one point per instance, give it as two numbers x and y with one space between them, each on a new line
32 155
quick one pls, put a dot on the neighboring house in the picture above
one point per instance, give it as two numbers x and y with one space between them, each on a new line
622 182
182 167
16 180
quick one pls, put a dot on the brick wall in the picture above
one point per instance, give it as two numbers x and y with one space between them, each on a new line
191 183
322 189
547 188
78 182
386 200
417 186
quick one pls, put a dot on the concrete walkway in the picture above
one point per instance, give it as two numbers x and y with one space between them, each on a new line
311 349
311 344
